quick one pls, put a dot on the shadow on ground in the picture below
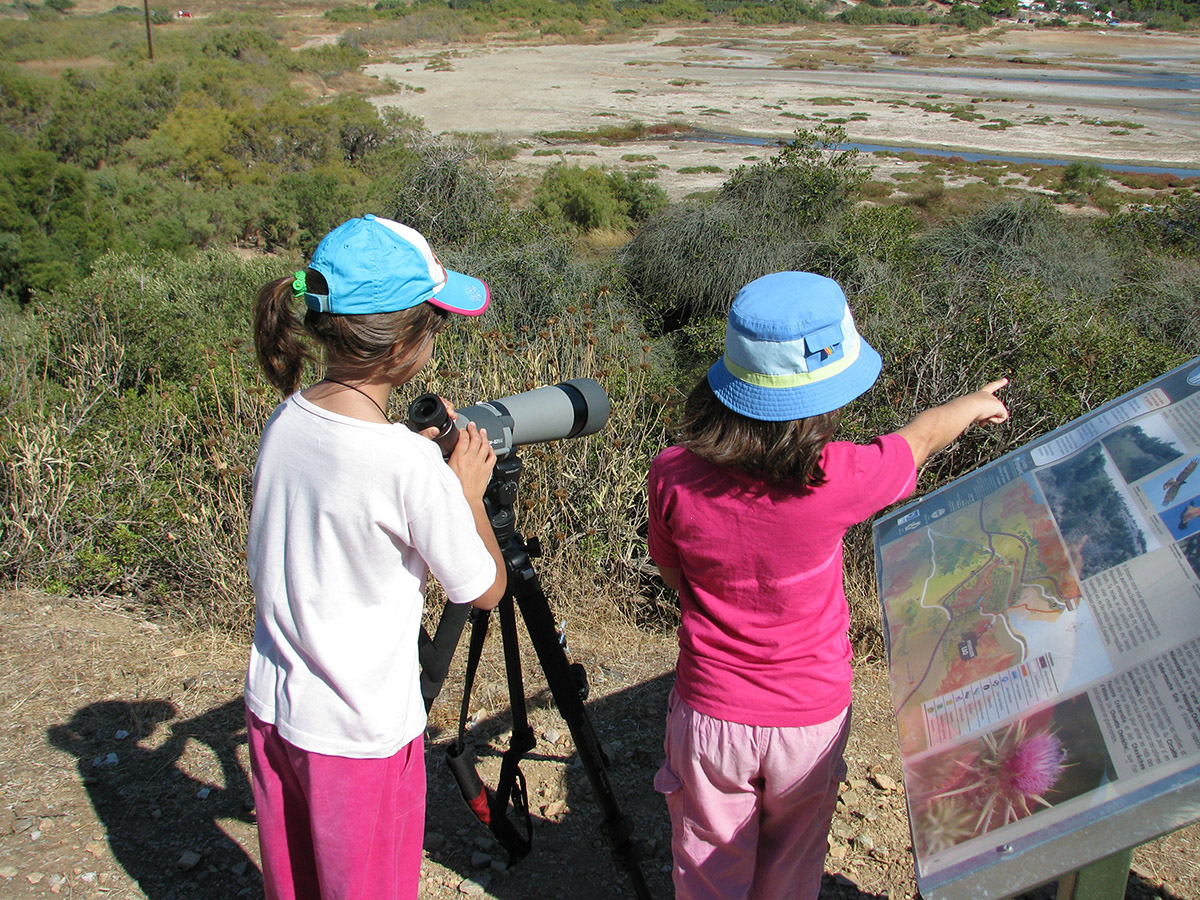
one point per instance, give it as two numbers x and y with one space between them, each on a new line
629 726
163 824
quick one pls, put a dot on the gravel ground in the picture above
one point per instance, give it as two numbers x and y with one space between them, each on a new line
125 773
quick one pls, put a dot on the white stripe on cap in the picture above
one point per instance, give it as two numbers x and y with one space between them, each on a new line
783 364
437 272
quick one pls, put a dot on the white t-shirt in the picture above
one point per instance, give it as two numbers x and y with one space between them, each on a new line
348 519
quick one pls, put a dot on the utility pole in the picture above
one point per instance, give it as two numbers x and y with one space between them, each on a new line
149 43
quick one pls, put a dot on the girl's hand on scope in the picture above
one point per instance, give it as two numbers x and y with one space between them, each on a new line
473 460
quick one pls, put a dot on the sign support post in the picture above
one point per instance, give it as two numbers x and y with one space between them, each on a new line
1105 879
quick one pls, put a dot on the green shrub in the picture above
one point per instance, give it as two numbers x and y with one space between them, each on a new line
128 461
689 261
1026 239
592 198
971 18
442 189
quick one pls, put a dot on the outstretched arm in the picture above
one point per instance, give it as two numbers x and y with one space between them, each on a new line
936 428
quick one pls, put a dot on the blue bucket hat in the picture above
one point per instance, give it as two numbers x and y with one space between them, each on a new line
791 350
375 265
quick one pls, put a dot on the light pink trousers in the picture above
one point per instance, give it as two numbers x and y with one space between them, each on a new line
333 828
750 805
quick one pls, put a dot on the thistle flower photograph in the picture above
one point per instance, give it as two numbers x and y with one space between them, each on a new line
1006 775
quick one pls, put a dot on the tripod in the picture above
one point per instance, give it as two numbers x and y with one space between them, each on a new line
567 682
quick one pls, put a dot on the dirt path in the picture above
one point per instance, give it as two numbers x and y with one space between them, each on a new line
124 771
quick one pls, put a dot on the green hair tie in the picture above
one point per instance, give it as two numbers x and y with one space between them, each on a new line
300 284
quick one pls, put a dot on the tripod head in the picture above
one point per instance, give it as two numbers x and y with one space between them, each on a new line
500 496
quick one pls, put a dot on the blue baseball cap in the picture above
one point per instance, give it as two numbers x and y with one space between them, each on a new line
375 265
791 350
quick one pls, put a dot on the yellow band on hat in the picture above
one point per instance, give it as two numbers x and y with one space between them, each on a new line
791 379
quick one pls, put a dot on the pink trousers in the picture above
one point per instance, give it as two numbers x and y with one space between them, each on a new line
333 828
750 805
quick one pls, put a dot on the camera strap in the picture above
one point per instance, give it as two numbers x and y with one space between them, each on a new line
491 806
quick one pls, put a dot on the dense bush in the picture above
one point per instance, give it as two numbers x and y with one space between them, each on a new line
131 429
783 213
209 145
865 14
592 198
972 18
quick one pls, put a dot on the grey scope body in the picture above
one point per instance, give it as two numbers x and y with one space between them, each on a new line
573 408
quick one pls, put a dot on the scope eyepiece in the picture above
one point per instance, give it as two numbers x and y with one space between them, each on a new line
428 411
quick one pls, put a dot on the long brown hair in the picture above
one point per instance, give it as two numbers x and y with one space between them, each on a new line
351 342
777 451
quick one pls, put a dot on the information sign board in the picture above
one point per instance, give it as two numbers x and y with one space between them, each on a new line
1042 617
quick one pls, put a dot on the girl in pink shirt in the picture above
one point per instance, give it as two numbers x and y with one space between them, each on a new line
747 517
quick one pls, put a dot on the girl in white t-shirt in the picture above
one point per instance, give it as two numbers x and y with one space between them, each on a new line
351 513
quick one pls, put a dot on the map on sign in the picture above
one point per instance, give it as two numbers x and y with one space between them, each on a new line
1043 624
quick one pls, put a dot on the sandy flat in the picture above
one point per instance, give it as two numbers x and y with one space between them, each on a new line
1119 95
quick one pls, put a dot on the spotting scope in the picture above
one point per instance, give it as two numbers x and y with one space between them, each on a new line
571 409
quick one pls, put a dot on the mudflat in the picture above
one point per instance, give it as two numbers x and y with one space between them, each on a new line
1111 95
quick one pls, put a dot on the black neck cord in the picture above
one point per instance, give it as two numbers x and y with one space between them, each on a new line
382 411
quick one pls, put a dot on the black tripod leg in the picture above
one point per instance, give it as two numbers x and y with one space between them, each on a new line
539 622
435 653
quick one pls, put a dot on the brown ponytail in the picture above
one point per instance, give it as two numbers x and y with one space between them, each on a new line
278 341
359 342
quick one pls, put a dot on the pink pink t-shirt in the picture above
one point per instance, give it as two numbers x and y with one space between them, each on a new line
763 638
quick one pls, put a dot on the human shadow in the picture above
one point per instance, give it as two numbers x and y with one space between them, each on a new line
1136 888
569 857
161 821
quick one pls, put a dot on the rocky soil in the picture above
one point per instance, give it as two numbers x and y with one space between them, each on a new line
122 753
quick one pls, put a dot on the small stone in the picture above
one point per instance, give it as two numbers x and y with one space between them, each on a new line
94 847
23 824
238 868
885 782
472 887
837 851
35 877
121 734
188 860
480 860
35 834
849 798
551 735
8 871
554 809
864 842
203 793
483 842
88 877
434 840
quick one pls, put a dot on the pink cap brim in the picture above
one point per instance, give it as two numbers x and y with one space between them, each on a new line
462 294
